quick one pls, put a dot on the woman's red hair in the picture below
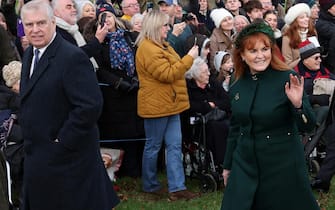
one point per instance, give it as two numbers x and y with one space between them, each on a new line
248 43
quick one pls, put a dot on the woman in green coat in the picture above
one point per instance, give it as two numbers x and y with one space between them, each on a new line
264 167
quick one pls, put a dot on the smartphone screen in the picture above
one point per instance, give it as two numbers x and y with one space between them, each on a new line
103 19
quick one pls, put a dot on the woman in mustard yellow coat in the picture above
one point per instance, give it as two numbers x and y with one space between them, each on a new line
264 166
161 97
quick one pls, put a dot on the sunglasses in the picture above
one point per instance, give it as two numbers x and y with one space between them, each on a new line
317 57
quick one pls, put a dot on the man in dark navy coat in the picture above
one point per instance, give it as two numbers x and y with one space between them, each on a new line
60 104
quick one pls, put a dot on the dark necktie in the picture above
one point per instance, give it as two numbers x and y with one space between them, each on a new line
36 59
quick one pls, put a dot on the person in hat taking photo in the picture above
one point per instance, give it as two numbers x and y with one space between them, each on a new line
264 150
116 63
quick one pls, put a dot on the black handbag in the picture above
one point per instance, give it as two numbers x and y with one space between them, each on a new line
215 114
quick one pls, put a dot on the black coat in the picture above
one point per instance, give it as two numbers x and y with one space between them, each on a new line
325 27
216 130
91 48
7 52
199 98
60 105
119 117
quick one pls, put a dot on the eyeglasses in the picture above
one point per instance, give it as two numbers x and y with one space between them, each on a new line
133 5
317 57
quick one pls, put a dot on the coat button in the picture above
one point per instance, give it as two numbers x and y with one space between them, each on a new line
289 134
267 137
241 134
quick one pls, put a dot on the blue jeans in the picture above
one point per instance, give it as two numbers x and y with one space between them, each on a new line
157 129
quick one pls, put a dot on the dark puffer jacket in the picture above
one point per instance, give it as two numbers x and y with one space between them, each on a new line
325 27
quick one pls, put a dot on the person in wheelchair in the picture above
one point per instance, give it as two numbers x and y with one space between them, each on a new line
311 68
13 151
205 95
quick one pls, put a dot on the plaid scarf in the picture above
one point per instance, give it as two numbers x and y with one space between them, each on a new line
121 55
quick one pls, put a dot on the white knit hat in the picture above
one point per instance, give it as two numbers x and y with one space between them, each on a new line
218 59
218 15
295 11
11 73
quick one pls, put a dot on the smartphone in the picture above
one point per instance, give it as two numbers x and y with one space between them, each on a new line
195 40
103 19
150 6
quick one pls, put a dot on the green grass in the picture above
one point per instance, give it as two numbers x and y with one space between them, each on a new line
134 199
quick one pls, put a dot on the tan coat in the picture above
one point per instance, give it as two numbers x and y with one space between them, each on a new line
219 42
161 72
292 56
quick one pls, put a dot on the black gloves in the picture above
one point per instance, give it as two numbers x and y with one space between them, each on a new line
126 86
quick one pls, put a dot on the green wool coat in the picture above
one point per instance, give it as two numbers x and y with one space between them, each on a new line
264 151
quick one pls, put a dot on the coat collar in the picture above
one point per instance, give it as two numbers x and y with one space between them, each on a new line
27 83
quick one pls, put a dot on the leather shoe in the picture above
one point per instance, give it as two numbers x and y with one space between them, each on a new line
320 186
160 192
182 194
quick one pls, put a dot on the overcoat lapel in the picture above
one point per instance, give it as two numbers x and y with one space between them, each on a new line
42 66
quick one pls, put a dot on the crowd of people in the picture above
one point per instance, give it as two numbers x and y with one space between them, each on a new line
129 69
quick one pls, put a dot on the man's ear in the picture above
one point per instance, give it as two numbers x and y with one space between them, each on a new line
56 13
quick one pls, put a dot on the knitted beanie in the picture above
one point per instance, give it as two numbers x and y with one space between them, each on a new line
105 7
308 48
11 73
326 4
218 15
295 11
218 59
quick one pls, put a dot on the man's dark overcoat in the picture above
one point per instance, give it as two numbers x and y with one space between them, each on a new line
60 105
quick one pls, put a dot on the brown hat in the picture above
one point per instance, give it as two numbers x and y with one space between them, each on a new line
11 73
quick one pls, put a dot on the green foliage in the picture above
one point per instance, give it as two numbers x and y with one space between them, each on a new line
134 199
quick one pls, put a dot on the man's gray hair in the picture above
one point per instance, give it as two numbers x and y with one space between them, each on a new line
37 5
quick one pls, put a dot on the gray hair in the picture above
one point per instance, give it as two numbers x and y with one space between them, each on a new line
37 5
135 17
80 6
242 17
194 71
151 27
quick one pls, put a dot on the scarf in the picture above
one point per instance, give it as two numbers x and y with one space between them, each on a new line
121 55
74 31
303 35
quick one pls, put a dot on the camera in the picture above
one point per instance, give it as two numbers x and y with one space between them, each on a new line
187 17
